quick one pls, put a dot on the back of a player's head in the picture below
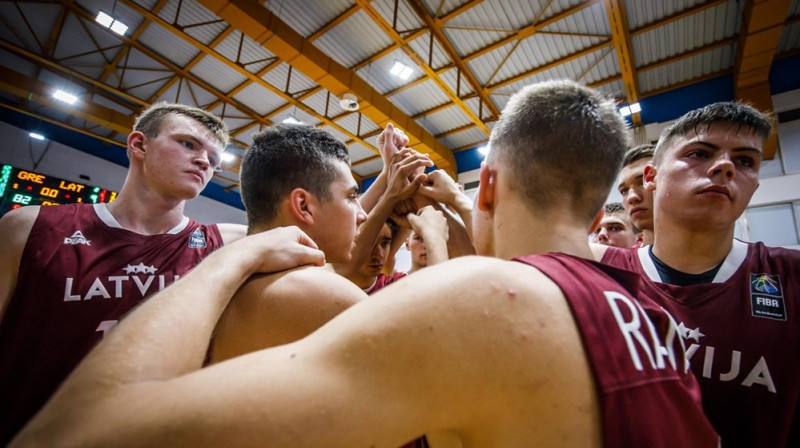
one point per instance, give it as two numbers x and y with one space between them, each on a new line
614 207
285 157
563 144
638 153
150 120
743 118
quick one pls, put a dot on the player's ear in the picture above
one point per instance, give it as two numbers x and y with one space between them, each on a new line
137 144
649 177
302 205
488 182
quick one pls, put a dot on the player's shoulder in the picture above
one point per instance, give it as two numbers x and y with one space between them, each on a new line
17 224
475 279
302 281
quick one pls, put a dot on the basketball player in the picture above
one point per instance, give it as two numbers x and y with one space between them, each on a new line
525 350
615 228
70 272
736 303
638 201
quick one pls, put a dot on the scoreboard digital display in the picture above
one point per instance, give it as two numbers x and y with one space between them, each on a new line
20 187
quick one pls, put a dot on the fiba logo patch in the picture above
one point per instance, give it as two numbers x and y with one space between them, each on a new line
197 240
766 296
77 238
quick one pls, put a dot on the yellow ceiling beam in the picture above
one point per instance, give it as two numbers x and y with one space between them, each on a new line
621 36
421 63
436 28
281 40
762 24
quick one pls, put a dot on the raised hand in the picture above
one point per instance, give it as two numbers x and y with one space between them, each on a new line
390 142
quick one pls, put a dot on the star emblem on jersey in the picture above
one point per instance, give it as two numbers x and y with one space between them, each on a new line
140 269
77 238
690 333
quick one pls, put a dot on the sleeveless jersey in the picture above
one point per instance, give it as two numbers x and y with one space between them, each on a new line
383 280
79 273
743 339
647 395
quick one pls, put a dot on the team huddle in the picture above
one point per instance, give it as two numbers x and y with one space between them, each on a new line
511 329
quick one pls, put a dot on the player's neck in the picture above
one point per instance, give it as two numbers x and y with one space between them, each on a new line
144 213
647 237
691 250
518 233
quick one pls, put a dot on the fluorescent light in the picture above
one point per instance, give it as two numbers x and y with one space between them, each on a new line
112 23
636 108
291 120
483 150
65 97
401 70
625 111
36 136
104 19
228 157
119 27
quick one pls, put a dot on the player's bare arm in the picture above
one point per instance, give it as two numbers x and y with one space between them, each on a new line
231 232
15 226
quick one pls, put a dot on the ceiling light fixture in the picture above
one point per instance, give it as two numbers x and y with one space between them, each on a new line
291 120
65 97
483 150
626 111
36 136
228 157
111 23
401 70
636 108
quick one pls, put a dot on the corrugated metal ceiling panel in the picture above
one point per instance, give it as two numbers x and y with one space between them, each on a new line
278 76
699 29
118 11
353 40
246 135
614 89
420 98
336 133
422 46
217 74
407 19
377 73
41 17
318 101
359 152
569 70
641 13
450 77
307 16
259 99
168 45
790 38
468 137
368 168
249 53
685 69
591 20
540 49
103 101
74 39
444 120
192 13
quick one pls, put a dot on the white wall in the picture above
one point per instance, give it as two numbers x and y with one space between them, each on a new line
18 149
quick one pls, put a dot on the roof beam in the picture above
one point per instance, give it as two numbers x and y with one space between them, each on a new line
549 65
677 16
404 45
435 26
22 86
281 40
286 96
620 35
529 30
333 23
458 10
762 24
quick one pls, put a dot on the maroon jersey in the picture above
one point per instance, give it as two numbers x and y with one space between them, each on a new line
80 272
648 397
383 281
743 339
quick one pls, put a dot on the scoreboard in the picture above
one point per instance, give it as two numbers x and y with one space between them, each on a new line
20 187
